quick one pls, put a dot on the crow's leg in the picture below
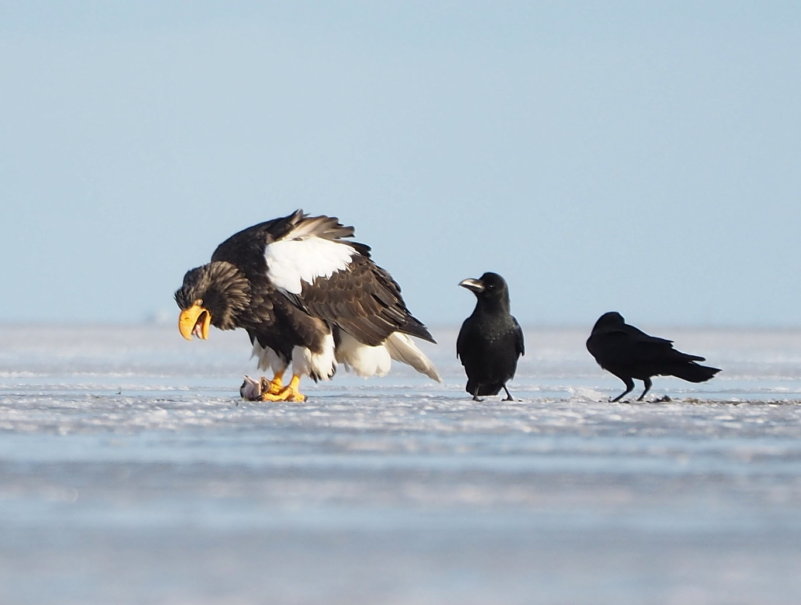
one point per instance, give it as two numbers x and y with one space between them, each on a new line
629 387
647 382
508 394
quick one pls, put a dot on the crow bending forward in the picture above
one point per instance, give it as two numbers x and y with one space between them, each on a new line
490 341
630 353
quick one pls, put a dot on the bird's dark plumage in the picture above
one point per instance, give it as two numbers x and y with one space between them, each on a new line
307 296
630 353
490 340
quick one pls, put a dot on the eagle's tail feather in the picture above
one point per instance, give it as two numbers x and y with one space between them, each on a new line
402 348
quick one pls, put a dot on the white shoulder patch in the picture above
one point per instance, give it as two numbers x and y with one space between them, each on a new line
293 261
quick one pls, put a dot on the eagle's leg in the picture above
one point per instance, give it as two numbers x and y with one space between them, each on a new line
274 390
277 383
291 392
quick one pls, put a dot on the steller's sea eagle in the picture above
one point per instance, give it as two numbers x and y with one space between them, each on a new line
306 296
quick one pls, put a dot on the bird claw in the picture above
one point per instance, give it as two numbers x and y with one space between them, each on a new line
277 392
293 395
273 387
270 390
286 394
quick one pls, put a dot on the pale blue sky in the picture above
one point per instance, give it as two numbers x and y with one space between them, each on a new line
637 156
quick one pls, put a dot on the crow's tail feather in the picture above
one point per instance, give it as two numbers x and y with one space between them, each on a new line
483 389
694 372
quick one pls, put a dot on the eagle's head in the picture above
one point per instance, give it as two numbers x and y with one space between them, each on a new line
212 294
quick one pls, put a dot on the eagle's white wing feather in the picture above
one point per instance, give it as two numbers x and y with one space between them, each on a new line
292 260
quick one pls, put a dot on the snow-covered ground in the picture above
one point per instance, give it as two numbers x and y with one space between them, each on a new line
130 472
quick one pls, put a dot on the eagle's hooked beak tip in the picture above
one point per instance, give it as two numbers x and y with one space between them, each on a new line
194 321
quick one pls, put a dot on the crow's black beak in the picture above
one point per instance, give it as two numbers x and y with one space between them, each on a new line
474 285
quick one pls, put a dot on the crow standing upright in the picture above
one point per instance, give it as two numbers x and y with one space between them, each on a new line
490 341
630 353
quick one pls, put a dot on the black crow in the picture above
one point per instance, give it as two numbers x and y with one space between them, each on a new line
490 341
630 353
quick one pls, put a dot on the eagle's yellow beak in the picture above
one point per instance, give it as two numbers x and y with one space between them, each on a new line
194 320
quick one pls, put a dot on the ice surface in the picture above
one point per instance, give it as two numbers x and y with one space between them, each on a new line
130 472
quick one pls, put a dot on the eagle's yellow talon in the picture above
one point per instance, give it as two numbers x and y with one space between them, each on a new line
294 396
291 392
287 394
275 391
272 390
276 385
